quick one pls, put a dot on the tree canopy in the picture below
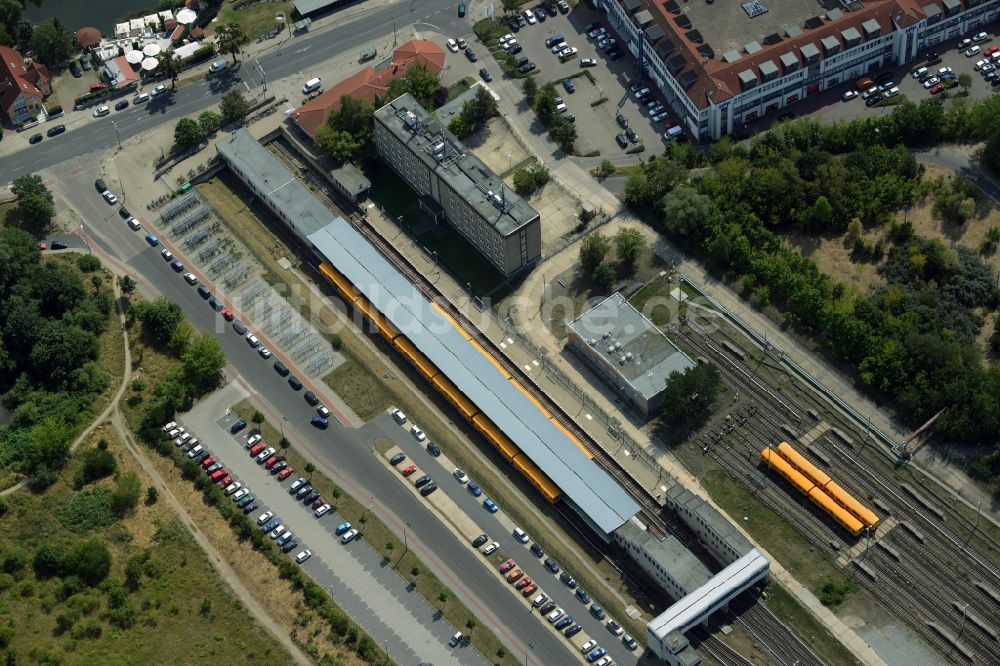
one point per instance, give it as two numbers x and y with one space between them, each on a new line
688 400
51 42
35 205
231 38
349 131
233 106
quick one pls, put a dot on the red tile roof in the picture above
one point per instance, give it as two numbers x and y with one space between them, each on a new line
16 78
369 82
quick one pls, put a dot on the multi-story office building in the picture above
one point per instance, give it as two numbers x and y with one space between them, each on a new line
723 65
456 187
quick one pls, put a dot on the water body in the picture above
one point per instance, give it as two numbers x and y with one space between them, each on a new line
76 14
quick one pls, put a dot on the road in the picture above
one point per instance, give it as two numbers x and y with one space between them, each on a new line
346 459
295 58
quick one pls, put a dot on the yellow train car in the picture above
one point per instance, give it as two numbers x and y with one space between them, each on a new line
785 469
835 511
414 356
458 400
495 436
337 279
538 478
853 506
799 462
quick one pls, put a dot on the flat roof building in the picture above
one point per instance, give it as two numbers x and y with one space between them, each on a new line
723 65
714 530
457 187
667 560
627 350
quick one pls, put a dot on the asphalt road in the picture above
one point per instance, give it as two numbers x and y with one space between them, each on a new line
300 55
385 427
354 465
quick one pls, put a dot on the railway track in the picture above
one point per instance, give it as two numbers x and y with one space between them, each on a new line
770 631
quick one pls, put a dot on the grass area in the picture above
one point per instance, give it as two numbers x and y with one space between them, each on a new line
254 19
383 540
654 300
359 388
816 635
459 87
63 620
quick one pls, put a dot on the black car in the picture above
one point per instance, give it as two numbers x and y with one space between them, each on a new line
422 481
582 595
540 15
203 291
123 213
614 54
428 489
873 100
593 26
303 491
526 67
121 105
250 508
35 138
471 55
55 131
311 398
485 75
311 497
521 21
567 579
239 327
537 551
551 9
632 136
75 69
570 118
281 368
514 49
569 85
572 631
278 466
480 540
236 427
461 10
59 245
100 185
884 77
294 382
551 565
547 608
319 422
433 449
398 458
523 61
621 120
514 25
290 546
622 141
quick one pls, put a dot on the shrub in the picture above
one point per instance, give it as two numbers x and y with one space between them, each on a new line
88 263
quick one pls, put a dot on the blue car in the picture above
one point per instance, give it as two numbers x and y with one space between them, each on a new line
490 505
152 240
596 654
341 528
474 489
270 525
320 422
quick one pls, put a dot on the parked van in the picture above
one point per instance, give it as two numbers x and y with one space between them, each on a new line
218 66
312 85
673 133
553 40
520 535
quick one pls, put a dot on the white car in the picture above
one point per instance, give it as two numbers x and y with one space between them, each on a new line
323 411
135 225
599 32
253 439
488 550
276 532
974 51
398 416
460 476
167 254
979 65
109 197
320 512
964 44
190 278
931 82
556 48
240 494
170 426
418 433
102 111
461 43
252 340
506 38
264 352
554 615
588 646
917 73
452 45
264 517
265 454
944 70
349 535
232 488
588 62
567 52
980 37
174 432
657 117
158 90
892 92
529 16
303 556
607 43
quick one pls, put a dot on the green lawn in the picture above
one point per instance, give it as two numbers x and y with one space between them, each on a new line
359 388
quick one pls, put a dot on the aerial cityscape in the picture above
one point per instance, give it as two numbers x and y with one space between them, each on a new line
541 332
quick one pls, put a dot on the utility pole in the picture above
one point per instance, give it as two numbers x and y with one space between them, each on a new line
979 507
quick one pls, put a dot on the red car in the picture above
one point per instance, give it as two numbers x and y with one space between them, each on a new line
271 461
257 448
227 315
514 575
523 583
225 482
408 470
285 473
990 50
42 245
507 566
208 462
318 503
936 89
218 474
529 590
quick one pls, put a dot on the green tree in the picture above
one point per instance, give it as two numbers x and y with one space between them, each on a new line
471 623
233 106
530 88
310 468
965 81
203 362
459 127
821 214
545 103
688 400
209 121
231 38
51 42
443 597
479 109
563 133
89 560
97 464
11 16
348 132
593 249
34 201
48 561
604 277
629 243
605 169
511 6
188 133
152 495
257 418
126 495
685 210
341 146
159 318
415 571
170 66
127 284
423 84
530 179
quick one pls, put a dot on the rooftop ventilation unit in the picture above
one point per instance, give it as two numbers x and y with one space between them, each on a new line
411 121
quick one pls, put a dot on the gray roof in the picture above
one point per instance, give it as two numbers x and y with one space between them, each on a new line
712 519
951 4
668 554
652 355
752 47
851 35
462 170
731 56
351 179
768 68
830 43
643 18
268 176
592 490
747 77
931 10
306 6
789 60
871 27
809 50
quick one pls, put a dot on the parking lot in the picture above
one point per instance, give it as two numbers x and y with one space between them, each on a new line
608 80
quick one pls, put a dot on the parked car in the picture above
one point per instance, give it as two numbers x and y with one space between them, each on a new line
303 556
121 105
490 505
396 459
